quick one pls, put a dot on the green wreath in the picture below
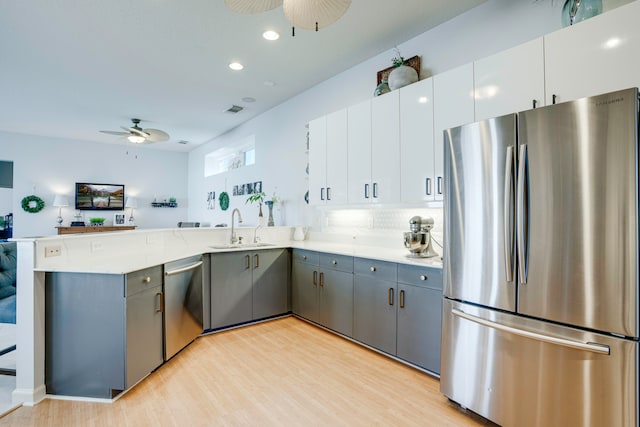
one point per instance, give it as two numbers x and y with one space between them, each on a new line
27 204
224 200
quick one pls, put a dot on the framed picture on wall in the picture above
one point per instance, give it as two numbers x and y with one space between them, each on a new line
119 219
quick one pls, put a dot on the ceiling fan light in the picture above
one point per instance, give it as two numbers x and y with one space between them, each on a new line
270 35
136 139
314 14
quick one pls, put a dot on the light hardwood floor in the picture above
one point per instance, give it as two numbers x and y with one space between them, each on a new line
279 373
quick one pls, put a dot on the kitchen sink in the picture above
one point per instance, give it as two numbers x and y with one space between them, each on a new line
241 245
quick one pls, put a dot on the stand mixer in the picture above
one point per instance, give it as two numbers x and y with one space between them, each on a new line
418 240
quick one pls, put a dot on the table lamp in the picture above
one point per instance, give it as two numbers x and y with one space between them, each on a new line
60 201
132 203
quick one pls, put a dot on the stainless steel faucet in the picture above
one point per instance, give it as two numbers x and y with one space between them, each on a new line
234 238
256 238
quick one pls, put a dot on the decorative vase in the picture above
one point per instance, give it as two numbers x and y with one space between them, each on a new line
402 76
269 204
298 234
382 88
575 11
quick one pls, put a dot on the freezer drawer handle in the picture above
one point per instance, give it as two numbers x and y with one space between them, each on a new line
588 346
183 269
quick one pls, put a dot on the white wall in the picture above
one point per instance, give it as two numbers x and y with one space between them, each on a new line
49 166
280 134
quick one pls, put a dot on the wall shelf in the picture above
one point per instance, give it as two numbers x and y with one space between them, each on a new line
164 204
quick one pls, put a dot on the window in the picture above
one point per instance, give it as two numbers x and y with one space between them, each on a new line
228 158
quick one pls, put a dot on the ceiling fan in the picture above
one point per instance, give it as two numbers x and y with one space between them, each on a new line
137 135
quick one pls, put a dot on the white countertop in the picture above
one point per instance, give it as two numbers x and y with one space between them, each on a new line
133 251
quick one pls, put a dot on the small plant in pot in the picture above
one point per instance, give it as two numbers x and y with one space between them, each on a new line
402 74
96 221
258 197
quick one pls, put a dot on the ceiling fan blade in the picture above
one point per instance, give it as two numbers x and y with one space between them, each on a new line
113 132
136 131
156 135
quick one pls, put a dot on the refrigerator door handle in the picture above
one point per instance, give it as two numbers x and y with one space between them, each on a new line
522 210
508 215
588 346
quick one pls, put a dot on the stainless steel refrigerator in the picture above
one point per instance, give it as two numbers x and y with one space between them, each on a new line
540 309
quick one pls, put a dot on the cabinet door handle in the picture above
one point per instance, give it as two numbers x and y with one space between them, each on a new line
256 261
315 278
390 296
428 186
247 258
328 193
375 190
160 308
366 191
373 269
401 299
334 262
439 185
321 279
322 194
304 257
146 279
423 277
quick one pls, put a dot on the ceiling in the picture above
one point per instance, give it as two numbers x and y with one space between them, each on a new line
69 68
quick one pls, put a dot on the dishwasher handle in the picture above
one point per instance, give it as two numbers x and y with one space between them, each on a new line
183 269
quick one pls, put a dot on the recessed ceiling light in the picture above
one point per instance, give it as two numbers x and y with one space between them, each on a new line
248 99
236 66
270 35
270 83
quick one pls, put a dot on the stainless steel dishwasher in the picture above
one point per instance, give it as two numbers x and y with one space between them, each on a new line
183 303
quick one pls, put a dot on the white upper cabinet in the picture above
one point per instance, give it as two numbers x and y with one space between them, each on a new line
417 173
596 56
359 155
328 159
385 148
510 81
336 192
453 106
317 160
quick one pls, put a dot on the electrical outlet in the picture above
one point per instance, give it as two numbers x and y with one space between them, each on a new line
96 245
52 251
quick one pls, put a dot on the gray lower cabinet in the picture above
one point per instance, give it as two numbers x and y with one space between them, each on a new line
323 289
103 332
248 285
397 309
419 315
270 283
374 304
304 285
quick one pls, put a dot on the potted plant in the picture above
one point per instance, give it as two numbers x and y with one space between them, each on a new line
257 197
402 74
96 221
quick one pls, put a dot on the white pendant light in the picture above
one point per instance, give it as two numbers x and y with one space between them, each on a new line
251 6
314 14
